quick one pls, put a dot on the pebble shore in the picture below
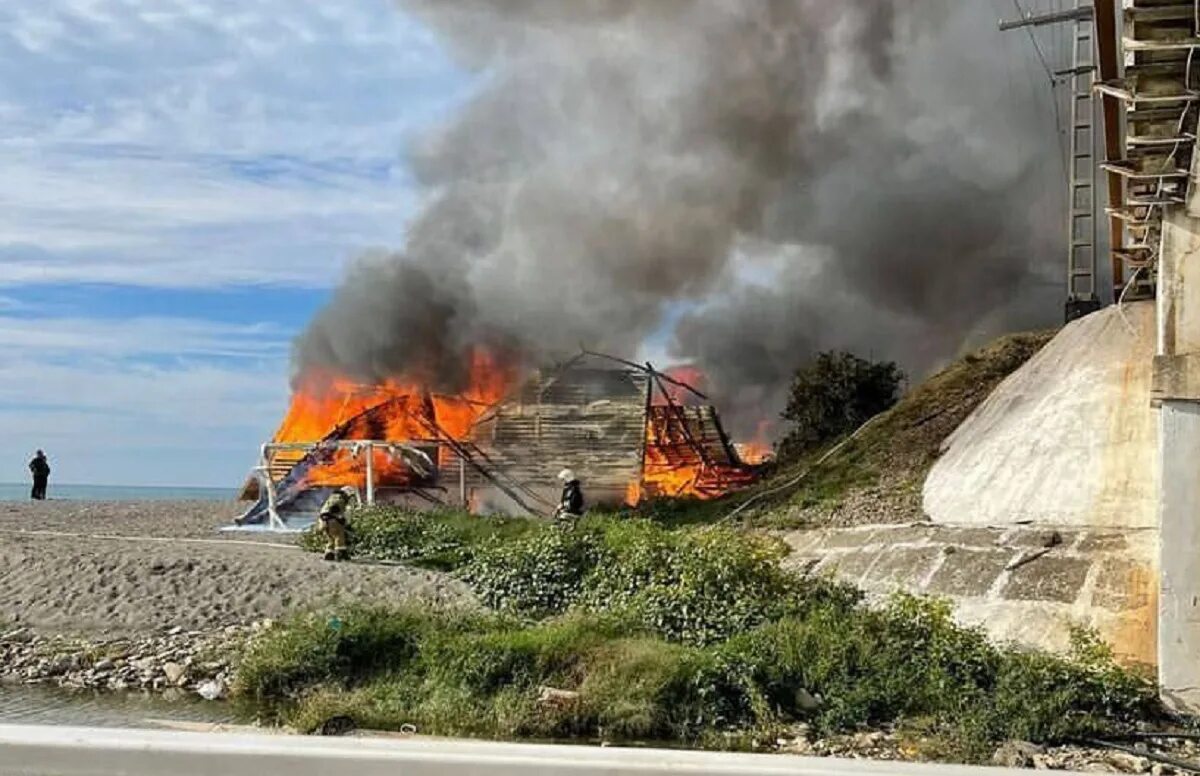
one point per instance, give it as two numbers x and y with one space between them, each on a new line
176 662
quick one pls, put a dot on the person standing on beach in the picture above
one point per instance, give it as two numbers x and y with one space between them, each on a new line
41 476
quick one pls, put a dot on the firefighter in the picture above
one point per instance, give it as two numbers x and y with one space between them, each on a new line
334 522
40 468
570 506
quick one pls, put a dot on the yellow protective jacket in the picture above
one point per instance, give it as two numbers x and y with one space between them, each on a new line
335 506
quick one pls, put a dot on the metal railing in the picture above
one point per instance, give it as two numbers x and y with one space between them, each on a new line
414 458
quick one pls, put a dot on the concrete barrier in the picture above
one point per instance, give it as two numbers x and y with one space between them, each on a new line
64 751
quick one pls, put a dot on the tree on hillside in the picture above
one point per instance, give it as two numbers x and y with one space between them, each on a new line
832 396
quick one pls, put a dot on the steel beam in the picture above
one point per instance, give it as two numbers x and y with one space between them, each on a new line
1107 59
1054 17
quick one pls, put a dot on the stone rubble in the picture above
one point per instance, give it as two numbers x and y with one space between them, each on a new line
889 745
178 660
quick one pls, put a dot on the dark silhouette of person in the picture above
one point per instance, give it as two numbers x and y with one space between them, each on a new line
41 476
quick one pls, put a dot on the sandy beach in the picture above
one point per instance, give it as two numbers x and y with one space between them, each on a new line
132 568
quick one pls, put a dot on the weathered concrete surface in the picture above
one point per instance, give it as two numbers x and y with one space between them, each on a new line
1070 438
1179 616
1020 583
1177 387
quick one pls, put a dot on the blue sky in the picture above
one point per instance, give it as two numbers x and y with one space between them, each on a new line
183 182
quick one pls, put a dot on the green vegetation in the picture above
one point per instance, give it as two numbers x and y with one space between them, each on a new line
832 396
878 473
441 540
693 636
696 586
833 667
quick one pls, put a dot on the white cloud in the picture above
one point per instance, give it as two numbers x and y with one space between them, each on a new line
139 337
140 401
188 144
207 142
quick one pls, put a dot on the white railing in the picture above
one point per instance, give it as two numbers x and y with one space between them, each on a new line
414 458
63 751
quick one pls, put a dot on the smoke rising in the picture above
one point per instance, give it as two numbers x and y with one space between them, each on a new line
739 183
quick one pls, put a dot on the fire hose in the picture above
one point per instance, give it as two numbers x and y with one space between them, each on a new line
796 480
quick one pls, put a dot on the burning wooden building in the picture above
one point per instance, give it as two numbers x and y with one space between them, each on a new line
628 431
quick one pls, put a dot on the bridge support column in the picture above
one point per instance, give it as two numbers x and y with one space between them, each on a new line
1176 392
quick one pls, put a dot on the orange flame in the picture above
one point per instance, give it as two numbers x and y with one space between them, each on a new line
676 467
633 493
759 449
396 410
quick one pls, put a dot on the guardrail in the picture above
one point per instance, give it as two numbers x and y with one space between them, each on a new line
35 750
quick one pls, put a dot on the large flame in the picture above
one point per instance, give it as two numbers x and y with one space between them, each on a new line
327 406
680 465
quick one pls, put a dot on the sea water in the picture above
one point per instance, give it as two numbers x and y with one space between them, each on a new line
20 492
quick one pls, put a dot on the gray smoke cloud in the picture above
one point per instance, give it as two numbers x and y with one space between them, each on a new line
738 183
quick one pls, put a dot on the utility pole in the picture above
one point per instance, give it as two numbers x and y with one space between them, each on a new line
1082 221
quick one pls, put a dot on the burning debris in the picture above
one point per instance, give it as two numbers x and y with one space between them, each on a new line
629 431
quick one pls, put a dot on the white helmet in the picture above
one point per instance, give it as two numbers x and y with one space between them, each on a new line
349 491
566 475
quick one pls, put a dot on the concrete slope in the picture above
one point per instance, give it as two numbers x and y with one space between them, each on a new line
1067 439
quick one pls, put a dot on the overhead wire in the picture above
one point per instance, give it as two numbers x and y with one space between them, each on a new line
1036 46
1060 130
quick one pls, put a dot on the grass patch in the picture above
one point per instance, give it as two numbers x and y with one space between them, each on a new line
693 586
690 586
836 669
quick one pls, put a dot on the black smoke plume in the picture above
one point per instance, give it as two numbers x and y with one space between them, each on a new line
730 182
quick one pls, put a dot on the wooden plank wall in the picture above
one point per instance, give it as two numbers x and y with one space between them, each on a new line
586 417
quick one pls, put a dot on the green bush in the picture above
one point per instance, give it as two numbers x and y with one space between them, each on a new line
835 667
697 636
833 396
690 586
695 587
443 540
314 650
538 575
384 534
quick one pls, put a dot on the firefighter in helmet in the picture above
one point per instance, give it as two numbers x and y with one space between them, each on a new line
570 506
334 522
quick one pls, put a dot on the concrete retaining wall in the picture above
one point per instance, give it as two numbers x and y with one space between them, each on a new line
1101 578
1070 438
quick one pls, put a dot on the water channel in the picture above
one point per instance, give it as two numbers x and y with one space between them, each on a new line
32 705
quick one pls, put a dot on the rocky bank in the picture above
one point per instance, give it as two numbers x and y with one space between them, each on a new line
176 662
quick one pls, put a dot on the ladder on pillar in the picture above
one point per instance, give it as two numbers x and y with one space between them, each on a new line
1081 188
